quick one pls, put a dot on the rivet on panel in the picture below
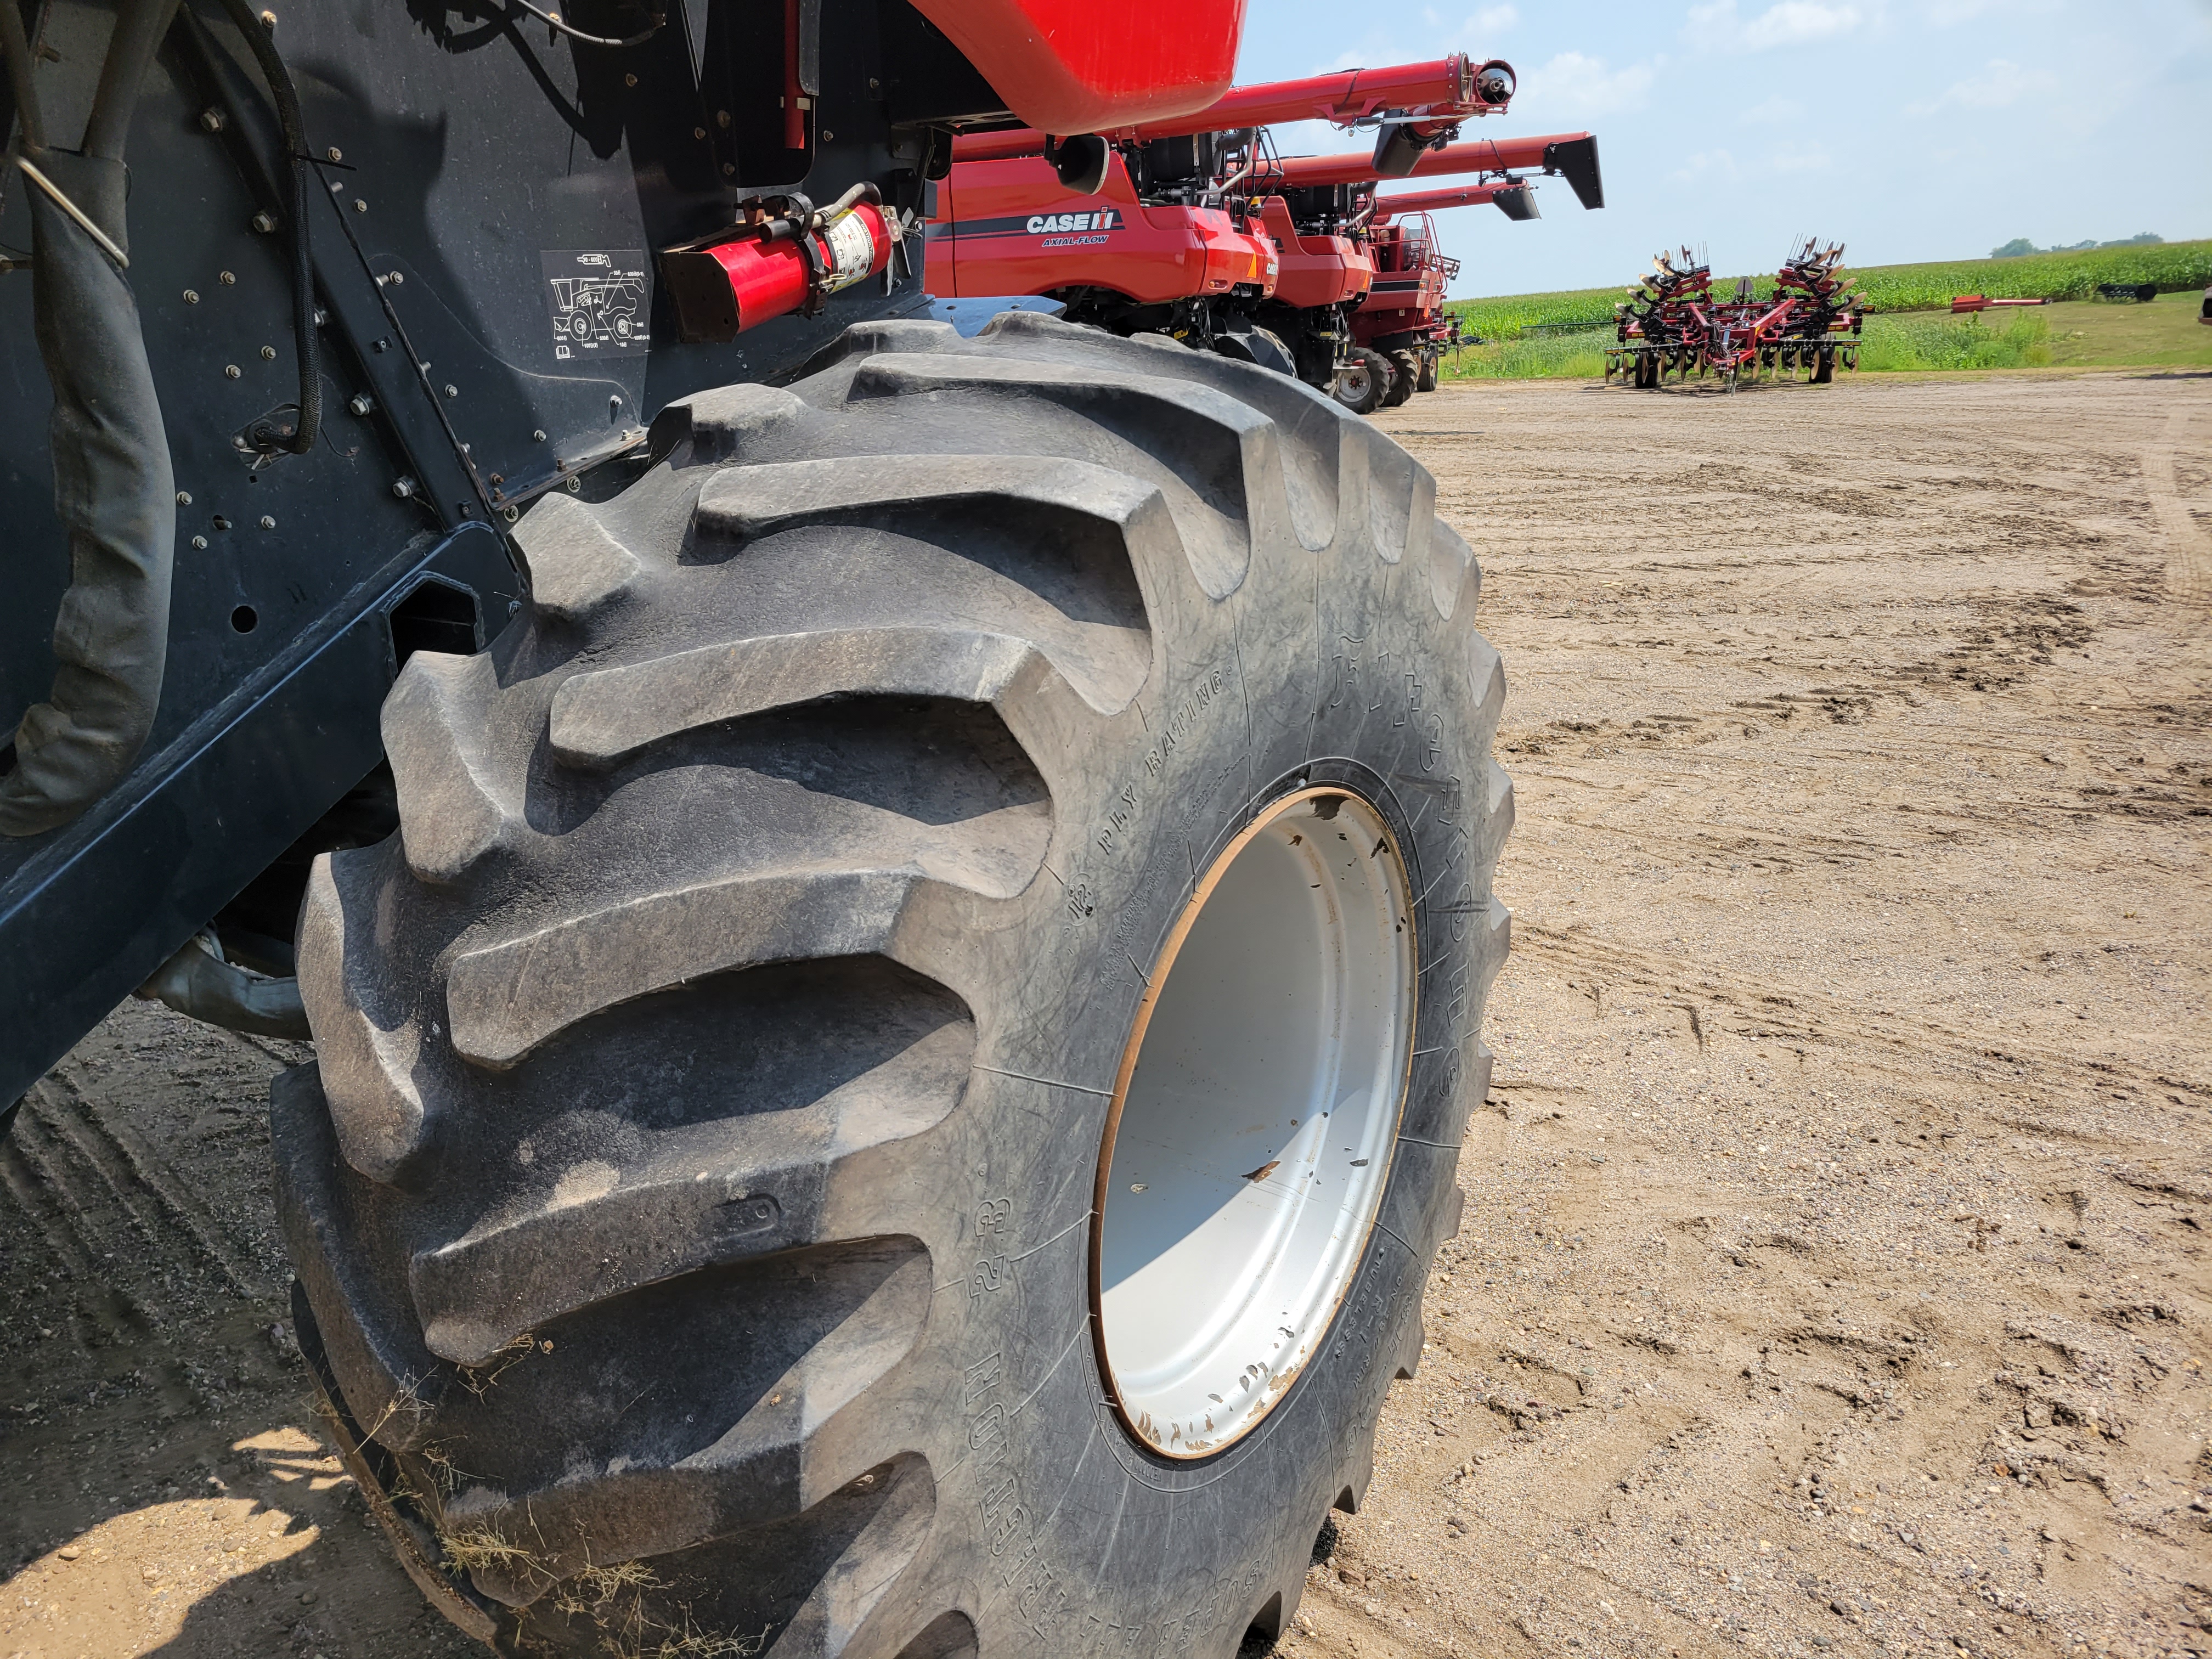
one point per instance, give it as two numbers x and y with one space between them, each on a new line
184 498
334 154
213 119
268 523
264 223
231 371
360 206
226 278
192 297
268 354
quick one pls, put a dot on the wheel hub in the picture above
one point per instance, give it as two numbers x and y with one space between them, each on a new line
1250 1139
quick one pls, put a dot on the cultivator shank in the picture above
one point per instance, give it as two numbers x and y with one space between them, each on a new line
1672 323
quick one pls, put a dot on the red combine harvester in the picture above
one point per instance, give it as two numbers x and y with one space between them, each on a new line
1402 320
1275 275
1329 269
1672 321
1381 343
1155 233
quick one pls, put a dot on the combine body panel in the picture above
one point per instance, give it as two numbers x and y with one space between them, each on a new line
1011 227
1316 270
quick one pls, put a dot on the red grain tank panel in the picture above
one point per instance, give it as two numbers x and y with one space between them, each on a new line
1011 227
1316 270
1074 66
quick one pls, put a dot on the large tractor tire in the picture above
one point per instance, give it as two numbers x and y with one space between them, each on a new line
1404 375
1364 381
876 1104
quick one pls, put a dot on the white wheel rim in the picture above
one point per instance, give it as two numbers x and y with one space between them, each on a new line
1250 1139
1352 384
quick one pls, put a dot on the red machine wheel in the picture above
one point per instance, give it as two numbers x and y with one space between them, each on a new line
1426 381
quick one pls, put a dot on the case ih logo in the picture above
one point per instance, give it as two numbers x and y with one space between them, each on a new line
1055 224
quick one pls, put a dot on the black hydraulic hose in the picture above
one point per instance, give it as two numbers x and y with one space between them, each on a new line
305 342
17 46
139 26
114 489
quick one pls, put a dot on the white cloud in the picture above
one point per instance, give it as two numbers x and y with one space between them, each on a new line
1491 19
2001 84
1786 23
1715 164
1774 111
1720 166
1946 13
1579 87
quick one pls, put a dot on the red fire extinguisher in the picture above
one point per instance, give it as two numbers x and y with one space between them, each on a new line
777 264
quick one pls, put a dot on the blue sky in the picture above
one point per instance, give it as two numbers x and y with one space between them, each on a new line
1931 130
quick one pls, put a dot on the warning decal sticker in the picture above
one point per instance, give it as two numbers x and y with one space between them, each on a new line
601 301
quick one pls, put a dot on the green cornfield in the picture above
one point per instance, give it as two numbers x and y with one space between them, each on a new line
2171 265
2016 339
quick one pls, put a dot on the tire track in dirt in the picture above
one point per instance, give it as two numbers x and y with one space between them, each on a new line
2189 544
1832 1272
167 1490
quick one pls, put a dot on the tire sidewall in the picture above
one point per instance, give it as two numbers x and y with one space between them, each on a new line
1333 668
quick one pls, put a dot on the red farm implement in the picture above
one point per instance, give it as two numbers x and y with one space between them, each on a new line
1671 322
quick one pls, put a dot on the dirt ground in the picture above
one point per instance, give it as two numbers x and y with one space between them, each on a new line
1834 1278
